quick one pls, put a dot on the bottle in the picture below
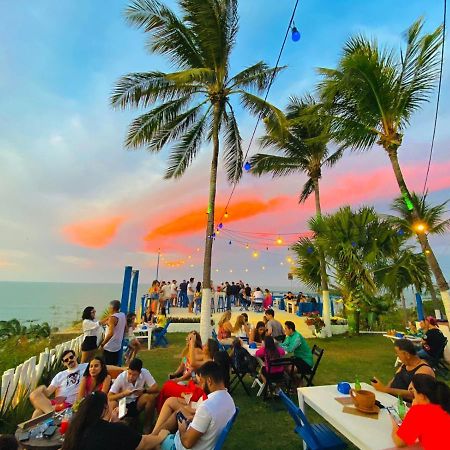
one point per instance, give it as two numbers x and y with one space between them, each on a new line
401 408
357 384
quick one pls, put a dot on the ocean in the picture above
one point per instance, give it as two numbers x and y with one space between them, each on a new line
60 304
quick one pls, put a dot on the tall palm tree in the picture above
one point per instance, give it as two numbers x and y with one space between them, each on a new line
193 104
372 96
302 147
432 220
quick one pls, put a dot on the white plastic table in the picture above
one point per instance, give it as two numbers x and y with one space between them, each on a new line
141 333
365 433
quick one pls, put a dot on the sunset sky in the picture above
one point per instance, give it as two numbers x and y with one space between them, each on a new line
77 206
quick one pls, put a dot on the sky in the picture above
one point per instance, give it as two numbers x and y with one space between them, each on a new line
77 206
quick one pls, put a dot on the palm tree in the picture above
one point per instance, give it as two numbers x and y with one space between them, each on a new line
193 104
431 221
303 148
372 96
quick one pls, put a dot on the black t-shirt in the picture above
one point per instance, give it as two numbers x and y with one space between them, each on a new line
110 436
183 287
228 289
248 291
435 339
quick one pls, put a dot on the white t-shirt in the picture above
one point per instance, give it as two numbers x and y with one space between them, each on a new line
173 289
191 289
210 418
258 295
68 381
121 383
166 291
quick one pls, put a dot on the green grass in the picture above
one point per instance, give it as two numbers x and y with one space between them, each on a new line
266 425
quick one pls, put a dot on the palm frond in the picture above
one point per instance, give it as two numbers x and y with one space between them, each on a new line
307 190
233 156
278 166
186 150
256 77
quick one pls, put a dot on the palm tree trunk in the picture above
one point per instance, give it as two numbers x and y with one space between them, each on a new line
326 312
205 316
429 283
432 261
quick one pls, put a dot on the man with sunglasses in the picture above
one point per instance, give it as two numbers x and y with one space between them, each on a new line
64 385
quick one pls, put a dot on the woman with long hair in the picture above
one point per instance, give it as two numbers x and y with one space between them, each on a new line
225 328
148 316
95 378
241 329
94 428
181 381
154 293
133 345
92 330
258 333
270 352
428 419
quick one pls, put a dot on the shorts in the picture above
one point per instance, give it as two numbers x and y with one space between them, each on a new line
168 443
60 406
89 344
111 358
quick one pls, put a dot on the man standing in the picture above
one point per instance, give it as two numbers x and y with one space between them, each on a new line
228 293
273 327
166 294
64 384
173 292
139 388
295 343
190 294
112 342
211 416
183 294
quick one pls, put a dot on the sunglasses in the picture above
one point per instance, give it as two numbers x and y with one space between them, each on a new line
69 358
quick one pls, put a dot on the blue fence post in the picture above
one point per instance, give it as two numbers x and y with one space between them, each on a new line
420 314
126 289
143 298
134 288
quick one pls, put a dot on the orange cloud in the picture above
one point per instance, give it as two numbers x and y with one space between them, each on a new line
194 220
95 233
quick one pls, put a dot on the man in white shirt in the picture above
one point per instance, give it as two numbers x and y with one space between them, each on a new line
112 342
211 416
139 388
190 294
174 292
65 384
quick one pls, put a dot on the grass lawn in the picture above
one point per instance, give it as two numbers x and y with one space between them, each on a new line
266 425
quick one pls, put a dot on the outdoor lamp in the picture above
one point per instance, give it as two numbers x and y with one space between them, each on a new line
295 34
247 166
420 227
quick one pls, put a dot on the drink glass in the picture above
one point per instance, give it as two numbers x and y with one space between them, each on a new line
64 425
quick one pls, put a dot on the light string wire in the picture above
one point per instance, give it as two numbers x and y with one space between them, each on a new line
438 99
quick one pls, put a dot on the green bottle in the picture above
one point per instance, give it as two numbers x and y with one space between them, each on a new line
401 408
357 384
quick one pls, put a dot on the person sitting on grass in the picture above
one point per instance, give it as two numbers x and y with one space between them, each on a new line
64 385
139 388
296 344
411 364
258 333
95 378
93 427
210 418
270 352
428 419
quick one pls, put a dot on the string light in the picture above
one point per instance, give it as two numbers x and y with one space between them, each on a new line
255 254
220 225
295 34
247 166
279 241
263 267
420 227
226 215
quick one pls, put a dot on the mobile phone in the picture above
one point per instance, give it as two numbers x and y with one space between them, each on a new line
394 414
23 436
180 417
122 408
49 432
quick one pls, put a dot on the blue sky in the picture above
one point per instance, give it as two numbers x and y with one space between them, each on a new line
62 160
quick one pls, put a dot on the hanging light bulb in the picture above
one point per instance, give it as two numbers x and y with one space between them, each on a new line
295 34
231 270
217 270
220 225
247 246
309 250
279 241
247 166
229 243
217 231
263 268
255 254
246 270
226 215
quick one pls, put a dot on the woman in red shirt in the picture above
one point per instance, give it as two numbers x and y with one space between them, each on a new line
428 420
95 378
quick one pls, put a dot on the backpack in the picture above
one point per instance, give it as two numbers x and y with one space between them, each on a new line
243 361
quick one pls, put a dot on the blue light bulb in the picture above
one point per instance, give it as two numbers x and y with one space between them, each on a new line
295 34
247 166
220 225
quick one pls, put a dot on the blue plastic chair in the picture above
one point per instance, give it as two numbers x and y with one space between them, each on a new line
316 436
221 346
223 435
160 337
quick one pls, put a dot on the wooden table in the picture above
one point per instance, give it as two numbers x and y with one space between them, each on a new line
54 443
365 433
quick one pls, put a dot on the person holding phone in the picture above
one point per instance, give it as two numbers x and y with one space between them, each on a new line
139 388
210 417
428 419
